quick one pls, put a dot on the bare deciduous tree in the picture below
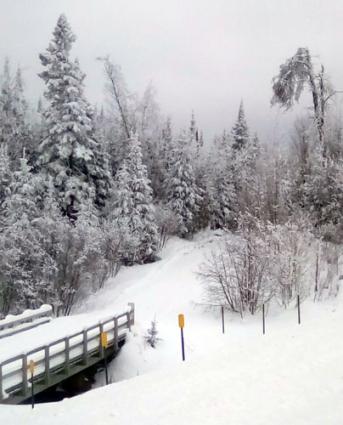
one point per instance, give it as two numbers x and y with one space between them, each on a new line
117 89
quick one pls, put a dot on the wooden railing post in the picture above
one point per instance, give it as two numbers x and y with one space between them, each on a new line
24 374
128 318
115 334
66 349
1 389
85 347
132 314
101 348
47 364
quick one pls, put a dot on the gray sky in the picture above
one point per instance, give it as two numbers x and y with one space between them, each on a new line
200 54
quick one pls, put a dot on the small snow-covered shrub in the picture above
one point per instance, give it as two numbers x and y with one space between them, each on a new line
167 224
151 334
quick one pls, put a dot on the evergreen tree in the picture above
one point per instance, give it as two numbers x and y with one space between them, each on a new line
245 178
15 131
182 193
6 177
324 191
133 211
221 185
240 131
195 136
161 158
69 153
193 131
6 105
22 259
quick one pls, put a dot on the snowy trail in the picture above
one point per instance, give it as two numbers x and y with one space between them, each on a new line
161 291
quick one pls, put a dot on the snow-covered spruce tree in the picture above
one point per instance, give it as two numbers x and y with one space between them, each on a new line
183 195
6 106
6 177
24 264
240 131
195 136
195 145
323 192
244 156
151 334
15 131
223 201
133 211
246 173
221 185
69 153
159 171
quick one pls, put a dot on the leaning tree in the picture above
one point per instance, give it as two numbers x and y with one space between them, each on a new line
297 72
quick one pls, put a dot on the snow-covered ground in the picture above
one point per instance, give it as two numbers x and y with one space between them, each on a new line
291 375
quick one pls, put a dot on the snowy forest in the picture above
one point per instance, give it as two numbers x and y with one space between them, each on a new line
87 189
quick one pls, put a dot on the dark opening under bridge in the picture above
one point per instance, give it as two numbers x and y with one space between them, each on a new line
60 359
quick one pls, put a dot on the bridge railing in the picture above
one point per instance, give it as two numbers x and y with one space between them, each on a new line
11 325
61 354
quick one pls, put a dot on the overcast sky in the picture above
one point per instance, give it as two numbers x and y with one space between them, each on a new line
204 55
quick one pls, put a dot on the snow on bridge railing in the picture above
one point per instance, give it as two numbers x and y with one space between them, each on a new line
12 324
61 354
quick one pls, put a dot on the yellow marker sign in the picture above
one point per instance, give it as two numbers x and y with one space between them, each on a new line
103 339
31 366
181 321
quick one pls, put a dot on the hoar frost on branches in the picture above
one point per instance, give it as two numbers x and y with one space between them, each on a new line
263 263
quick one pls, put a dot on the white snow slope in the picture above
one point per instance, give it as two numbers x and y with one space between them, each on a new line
293 375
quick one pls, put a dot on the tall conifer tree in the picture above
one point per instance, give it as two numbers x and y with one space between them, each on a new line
70 153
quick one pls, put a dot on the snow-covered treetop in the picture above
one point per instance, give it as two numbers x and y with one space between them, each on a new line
62 41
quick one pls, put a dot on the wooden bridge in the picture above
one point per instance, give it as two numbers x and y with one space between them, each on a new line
63 358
